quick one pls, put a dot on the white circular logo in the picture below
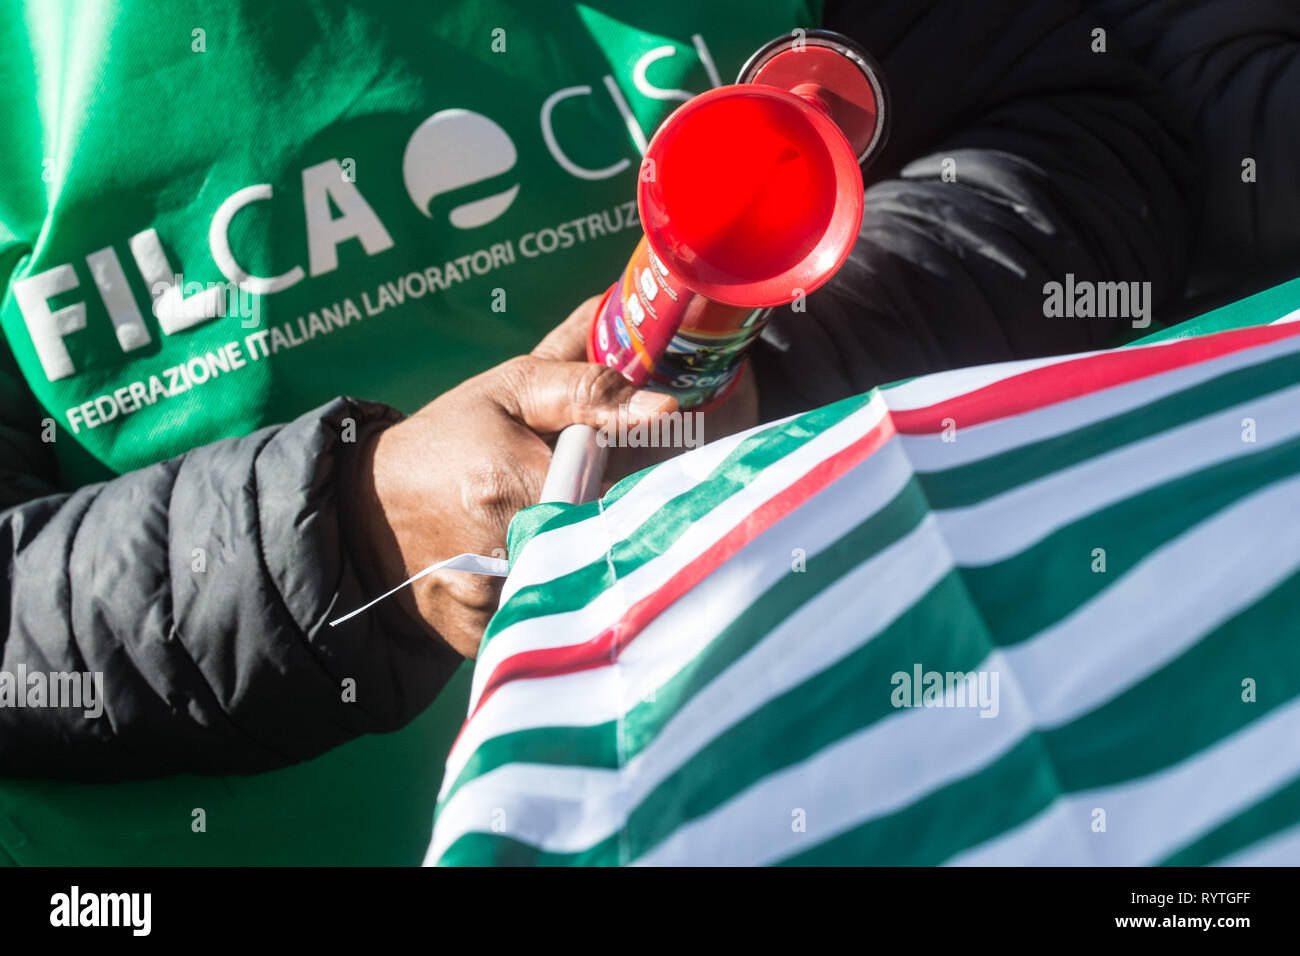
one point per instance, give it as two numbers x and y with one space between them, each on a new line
456 148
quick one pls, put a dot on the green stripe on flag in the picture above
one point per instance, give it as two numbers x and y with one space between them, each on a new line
1052 578
1191 702
595 747
941 824
990 477
1276 812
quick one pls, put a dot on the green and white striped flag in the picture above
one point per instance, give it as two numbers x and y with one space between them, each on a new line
1044 612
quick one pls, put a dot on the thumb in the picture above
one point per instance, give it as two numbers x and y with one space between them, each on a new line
548 396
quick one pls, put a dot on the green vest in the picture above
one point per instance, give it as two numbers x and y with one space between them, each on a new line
213 222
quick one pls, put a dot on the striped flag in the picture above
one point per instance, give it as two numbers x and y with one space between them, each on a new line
1044 612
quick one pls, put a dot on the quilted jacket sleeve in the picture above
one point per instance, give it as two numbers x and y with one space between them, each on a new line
198 592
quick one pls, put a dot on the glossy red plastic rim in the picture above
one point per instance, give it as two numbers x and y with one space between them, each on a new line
826 205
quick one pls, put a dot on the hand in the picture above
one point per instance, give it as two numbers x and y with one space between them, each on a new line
448 479
567 342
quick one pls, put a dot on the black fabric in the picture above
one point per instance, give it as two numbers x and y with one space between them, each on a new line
200 588
1233 68
1066 161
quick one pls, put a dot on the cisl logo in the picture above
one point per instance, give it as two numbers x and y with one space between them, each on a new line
453 149
448 151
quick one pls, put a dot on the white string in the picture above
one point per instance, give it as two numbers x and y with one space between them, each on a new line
471 563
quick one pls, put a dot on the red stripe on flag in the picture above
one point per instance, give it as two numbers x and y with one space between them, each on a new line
1049 384
603 649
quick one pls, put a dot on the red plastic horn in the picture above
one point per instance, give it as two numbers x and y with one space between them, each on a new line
751 197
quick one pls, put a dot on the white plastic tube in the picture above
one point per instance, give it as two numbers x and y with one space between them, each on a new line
576 467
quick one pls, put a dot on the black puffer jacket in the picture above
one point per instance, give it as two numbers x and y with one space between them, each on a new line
1233 69
1066 160
201 589
1129 165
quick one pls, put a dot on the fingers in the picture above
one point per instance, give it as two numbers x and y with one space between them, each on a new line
548 396
739 411
567 342
459 607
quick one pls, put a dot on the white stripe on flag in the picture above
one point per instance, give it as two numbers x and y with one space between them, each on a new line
931 453
1216 569
1150 818
998 528
942 386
